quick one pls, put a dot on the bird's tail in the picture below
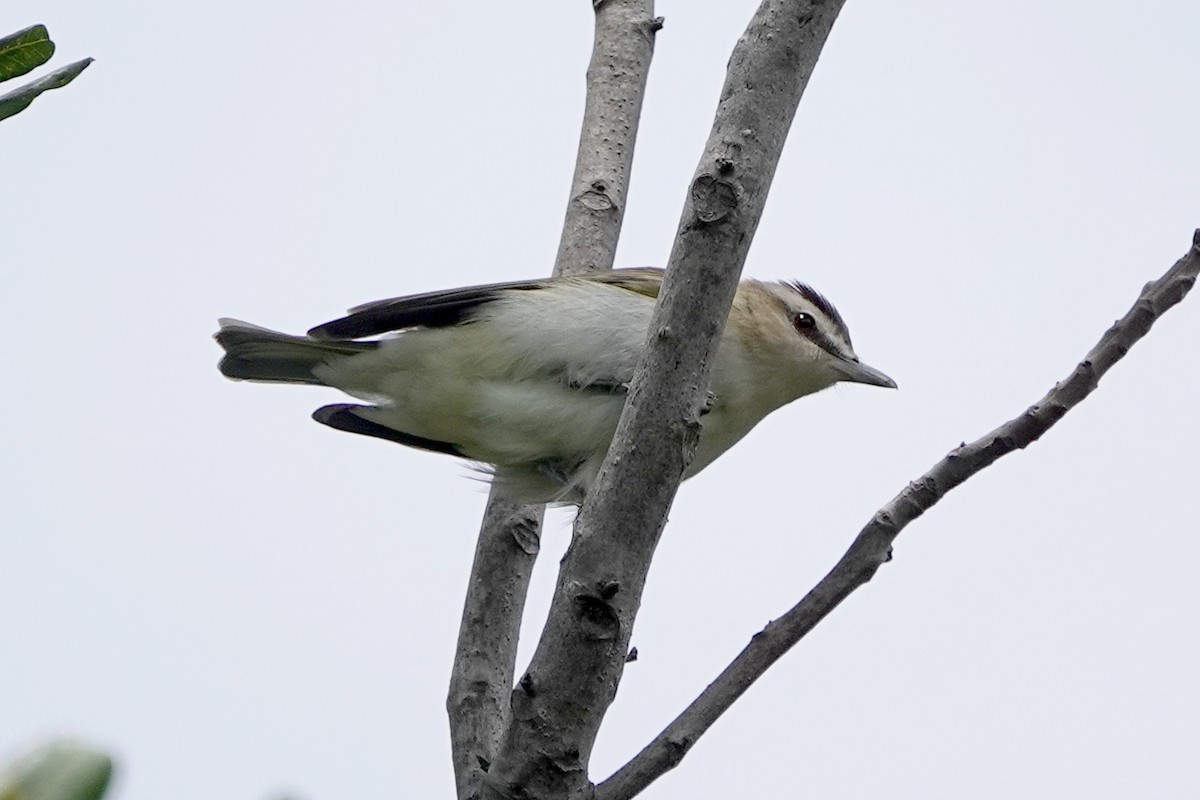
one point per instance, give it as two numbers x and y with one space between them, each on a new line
259 354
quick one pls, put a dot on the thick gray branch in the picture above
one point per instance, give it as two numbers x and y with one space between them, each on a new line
482 679
573 677
872 547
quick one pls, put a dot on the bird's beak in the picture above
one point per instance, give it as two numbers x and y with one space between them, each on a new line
858 372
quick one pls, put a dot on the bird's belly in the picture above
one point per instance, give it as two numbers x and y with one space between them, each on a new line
495 404
508 422
539 421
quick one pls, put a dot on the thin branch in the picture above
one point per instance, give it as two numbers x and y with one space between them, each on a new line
616 87
573 677
872 547
481 683
484 662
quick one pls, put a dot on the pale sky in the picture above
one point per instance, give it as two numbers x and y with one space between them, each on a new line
237 601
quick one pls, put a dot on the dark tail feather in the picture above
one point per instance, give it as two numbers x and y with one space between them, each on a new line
258 354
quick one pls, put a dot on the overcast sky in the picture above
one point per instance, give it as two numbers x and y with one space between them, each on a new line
237 601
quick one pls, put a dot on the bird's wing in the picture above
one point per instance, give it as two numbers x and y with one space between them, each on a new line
640 280
453 306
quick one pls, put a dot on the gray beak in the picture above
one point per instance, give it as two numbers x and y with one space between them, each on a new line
858 372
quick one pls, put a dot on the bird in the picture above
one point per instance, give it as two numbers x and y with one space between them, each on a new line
527 379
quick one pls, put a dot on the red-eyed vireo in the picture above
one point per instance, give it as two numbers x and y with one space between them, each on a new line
529 378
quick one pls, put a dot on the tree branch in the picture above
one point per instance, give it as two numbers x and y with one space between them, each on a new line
872 547
573 677
486 656
616 87
482 678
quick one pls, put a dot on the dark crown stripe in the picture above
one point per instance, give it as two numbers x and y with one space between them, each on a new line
819 300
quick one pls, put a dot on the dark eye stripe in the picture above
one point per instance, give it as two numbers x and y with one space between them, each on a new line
806 325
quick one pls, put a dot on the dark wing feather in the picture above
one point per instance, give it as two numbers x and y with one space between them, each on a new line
454 306
430 310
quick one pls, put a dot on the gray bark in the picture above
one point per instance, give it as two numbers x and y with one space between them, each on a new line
485 659
481 682
616 87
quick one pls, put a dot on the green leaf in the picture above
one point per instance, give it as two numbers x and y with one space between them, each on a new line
16 101
61 770
24 50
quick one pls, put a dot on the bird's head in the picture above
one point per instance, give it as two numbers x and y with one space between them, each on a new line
792 331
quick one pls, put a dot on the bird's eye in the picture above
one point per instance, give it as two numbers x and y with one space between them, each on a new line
803 322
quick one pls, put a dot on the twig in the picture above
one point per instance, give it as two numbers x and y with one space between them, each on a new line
872 547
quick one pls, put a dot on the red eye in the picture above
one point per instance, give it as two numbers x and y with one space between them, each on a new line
803 322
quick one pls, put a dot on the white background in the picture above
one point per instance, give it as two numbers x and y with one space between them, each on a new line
237 601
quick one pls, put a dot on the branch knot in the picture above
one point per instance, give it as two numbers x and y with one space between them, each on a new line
713 199
597 619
